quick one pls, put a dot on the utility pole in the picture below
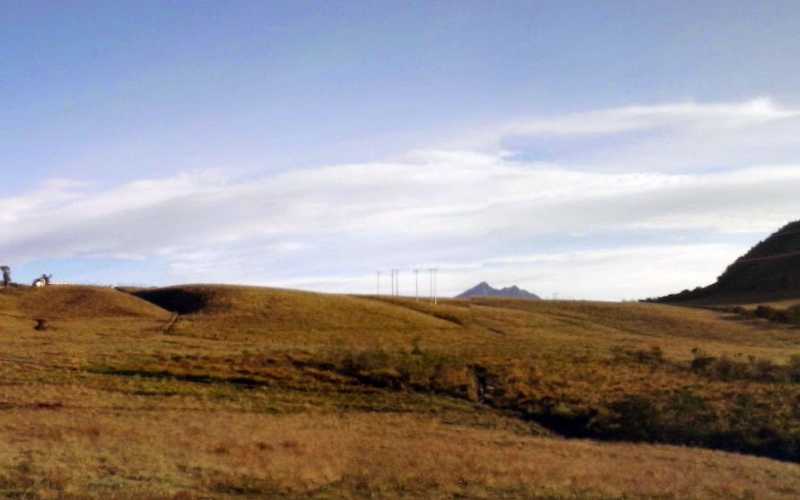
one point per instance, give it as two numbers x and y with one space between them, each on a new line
416 284
435 286
434 297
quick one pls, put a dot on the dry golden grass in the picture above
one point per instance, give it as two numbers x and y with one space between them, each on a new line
106 454
79 302
277 393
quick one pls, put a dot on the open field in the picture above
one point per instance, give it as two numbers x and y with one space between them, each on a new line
260 392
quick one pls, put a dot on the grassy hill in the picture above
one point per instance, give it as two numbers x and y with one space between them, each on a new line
225 391
82 302
768 272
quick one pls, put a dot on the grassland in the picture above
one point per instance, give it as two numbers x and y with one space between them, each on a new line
261 392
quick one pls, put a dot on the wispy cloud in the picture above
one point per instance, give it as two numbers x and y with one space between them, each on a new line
691 115
672 137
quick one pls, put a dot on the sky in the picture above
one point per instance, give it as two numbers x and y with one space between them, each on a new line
590 150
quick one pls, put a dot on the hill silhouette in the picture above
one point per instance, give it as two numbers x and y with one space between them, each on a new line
483 289
769 271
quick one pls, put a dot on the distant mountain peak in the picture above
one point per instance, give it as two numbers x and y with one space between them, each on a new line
484 289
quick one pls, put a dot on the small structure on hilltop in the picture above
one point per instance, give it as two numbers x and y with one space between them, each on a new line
42 281
6 276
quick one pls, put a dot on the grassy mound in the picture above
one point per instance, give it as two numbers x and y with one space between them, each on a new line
80 302
275 309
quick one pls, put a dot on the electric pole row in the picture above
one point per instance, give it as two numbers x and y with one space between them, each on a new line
394 285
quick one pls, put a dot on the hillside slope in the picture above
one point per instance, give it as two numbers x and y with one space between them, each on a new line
278 393
770 271
77 302
488 326
574 367
286 310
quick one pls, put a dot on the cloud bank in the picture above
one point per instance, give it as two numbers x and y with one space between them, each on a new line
603 223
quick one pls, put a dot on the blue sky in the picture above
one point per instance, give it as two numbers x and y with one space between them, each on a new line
591 149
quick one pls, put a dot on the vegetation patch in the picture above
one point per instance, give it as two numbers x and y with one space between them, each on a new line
279 393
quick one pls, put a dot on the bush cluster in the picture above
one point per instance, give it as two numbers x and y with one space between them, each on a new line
754 369
418 370
651 356
741 422
789 315
687 418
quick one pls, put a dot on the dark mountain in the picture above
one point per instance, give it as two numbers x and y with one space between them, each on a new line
769 271
483 289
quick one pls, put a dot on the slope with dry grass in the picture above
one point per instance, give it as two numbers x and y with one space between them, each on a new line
266 392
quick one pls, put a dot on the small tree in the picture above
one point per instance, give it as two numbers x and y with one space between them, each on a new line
6 276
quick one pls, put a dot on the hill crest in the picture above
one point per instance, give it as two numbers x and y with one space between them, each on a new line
78 302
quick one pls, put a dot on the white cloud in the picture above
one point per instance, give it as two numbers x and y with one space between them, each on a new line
664 138
474 213
685 115
434 208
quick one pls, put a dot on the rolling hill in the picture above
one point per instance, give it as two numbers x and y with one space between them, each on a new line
82 302
225 391
769 272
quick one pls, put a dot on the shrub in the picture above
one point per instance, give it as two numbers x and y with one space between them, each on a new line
791 315
686 418
760 370
701 360
765 370
794 368
652 356
633 417
794 315
764 312
420 370
743 312
725 368
416 348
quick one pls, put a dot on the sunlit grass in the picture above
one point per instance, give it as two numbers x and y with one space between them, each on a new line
277 393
